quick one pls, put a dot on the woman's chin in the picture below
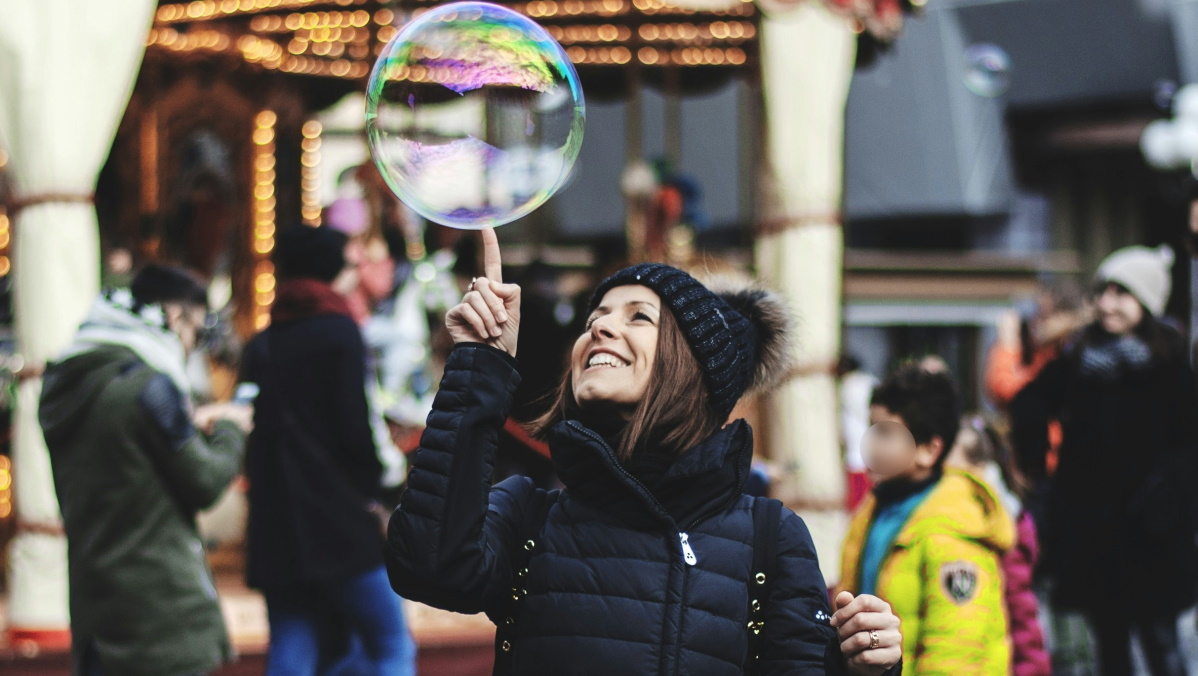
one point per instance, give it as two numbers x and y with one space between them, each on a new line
597 404
594 402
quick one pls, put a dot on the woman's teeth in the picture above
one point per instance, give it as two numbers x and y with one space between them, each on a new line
607 360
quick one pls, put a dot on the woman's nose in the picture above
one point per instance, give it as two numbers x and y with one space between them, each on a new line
601 328
1107 299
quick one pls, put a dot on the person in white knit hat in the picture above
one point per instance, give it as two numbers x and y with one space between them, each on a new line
1142 272
1120 515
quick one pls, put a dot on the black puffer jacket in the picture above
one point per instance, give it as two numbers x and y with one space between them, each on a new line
1121 508
311 463
607 588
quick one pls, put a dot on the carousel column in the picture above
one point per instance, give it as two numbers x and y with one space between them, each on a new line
807 56
58 115
56 277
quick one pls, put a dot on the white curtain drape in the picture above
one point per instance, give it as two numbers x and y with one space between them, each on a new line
807 56
66 71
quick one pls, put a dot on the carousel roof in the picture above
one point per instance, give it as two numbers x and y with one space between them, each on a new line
341 38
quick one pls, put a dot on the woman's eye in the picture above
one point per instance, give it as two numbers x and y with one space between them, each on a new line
641 315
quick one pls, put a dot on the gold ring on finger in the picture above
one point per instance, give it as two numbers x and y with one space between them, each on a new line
471 287
873 640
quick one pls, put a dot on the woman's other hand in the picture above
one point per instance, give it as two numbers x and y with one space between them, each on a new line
869 633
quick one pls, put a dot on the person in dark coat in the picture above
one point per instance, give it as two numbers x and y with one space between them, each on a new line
1119 533
314 543
133 464
645 562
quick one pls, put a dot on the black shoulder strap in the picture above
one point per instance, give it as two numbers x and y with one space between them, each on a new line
523 546
767 519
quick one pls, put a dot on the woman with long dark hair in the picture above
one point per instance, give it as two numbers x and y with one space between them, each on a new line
1119 528
650 560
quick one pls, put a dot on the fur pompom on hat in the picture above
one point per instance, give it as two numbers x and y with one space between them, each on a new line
740 335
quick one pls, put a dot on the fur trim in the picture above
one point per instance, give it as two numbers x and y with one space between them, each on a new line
771 315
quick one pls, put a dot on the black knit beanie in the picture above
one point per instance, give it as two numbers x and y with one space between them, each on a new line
155 284
739 336
311 253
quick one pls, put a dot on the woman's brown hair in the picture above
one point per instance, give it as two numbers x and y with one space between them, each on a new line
674 415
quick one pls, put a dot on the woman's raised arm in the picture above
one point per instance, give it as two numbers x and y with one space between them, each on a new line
449 543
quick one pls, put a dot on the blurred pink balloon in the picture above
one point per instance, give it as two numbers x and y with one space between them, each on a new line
350 216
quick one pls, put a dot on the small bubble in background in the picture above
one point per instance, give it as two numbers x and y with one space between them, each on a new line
987 70
474 115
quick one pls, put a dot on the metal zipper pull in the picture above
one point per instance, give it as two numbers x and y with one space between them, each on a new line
688 554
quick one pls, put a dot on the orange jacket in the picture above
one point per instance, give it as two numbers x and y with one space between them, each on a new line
1006 375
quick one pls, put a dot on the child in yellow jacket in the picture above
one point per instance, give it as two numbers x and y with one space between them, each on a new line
929 541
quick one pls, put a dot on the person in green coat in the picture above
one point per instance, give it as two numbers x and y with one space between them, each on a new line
133 462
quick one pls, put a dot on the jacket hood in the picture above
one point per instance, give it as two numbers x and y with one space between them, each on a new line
70 388
964 505
700 482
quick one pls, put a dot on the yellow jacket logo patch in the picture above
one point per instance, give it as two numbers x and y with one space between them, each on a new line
959 581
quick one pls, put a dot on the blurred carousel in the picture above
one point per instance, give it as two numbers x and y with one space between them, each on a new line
242 120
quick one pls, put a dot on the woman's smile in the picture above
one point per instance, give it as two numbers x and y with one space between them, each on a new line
606 359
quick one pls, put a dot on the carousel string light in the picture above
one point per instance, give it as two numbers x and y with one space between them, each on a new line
5 487
568 35
5 239
339 43
264 215
310 173
207 10
294 59
274 23
201 10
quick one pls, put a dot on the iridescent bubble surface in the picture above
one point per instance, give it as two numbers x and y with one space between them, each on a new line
474 115
987 70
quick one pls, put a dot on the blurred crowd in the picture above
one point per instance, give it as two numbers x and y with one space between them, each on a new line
1038 535
1068 503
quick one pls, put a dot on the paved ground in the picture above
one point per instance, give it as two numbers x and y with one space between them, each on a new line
448 644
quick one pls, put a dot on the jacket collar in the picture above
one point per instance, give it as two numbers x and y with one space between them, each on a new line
961 506
699 483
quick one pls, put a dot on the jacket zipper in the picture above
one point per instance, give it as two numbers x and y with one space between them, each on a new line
682 536
688 553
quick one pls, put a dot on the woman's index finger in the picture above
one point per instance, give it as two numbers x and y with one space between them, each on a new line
492 262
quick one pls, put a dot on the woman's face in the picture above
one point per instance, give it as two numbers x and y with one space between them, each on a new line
1118 310
613 359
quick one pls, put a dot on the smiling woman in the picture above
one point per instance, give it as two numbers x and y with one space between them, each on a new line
633 361
651 560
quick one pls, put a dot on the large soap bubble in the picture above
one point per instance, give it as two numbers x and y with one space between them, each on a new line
474 114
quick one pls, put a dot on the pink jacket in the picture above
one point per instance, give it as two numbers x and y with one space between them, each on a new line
1029 657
